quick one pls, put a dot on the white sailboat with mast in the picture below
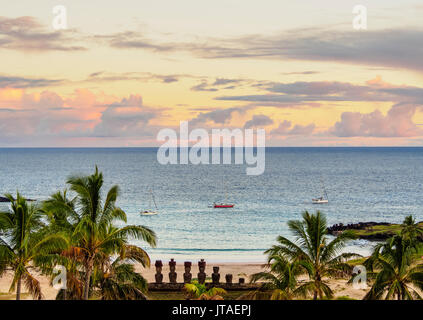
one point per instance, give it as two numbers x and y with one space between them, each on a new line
324 198
150 212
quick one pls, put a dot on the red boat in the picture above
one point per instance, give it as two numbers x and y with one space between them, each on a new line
222 205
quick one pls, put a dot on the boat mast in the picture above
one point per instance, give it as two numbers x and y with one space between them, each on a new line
324 189
149 201
226 193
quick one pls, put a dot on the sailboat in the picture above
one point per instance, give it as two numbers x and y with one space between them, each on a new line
323 199
150 212
224 204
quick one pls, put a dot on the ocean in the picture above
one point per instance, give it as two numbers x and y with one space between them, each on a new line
363 184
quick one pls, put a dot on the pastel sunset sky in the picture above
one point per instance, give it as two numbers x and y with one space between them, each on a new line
123 70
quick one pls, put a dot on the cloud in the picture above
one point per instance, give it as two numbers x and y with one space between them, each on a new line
204 85
300 73
400 48
393 48
219 116
27 34
102 76
331 91
397 123
34 117
224 81
21 82
134 40
397 48
285 128
128 117
258 120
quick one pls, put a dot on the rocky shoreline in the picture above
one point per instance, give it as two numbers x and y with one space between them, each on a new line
3 199
367 230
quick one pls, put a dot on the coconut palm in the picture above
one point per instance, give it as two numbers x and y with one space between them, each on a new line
200 292
399 276
90 222
281 278
24 245
411 230
118 280
73 260
61 215
319 257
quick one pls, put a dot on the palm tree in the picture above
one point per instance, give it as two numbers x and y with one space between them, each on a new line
411 230
399 275
119 281
62 216
24 245
281 278
90 222
116 279
314 253
200 292
73 260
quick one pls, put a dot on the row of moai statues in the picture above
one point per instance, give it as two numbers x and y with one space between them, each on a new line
201 276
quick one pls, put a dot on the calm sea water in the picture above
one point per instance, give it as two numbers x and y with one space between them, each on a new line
363 184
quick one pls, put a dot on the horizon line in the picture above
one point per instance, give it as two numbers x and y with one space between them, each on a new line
156 147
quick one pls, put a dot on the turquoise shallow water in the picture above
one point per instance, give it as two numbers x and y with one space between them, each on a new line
363 184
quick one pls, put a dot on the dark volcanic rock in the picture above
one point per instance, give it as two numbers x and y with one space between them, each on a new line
3 199
355 226
377 236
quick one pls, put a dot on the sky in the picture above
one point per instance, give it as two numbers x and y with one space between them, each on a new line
122 71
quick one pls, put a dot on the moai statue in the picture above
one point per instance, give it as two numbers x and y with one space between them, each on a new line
187 274
241 280
201 274
215 275
172 273
158 275
229 278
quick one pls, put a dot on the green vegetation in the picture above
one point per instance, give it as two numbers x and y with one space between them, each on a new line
85 231
80 234
199 291
181 295
24 243
381 231
311 254
397 272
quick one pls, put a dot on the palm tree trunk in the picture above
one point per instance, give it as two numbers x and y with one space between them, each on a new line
88 273
317 284
18 289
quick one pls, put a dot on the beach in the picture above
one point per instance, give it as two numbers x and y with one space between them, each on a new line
238 270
